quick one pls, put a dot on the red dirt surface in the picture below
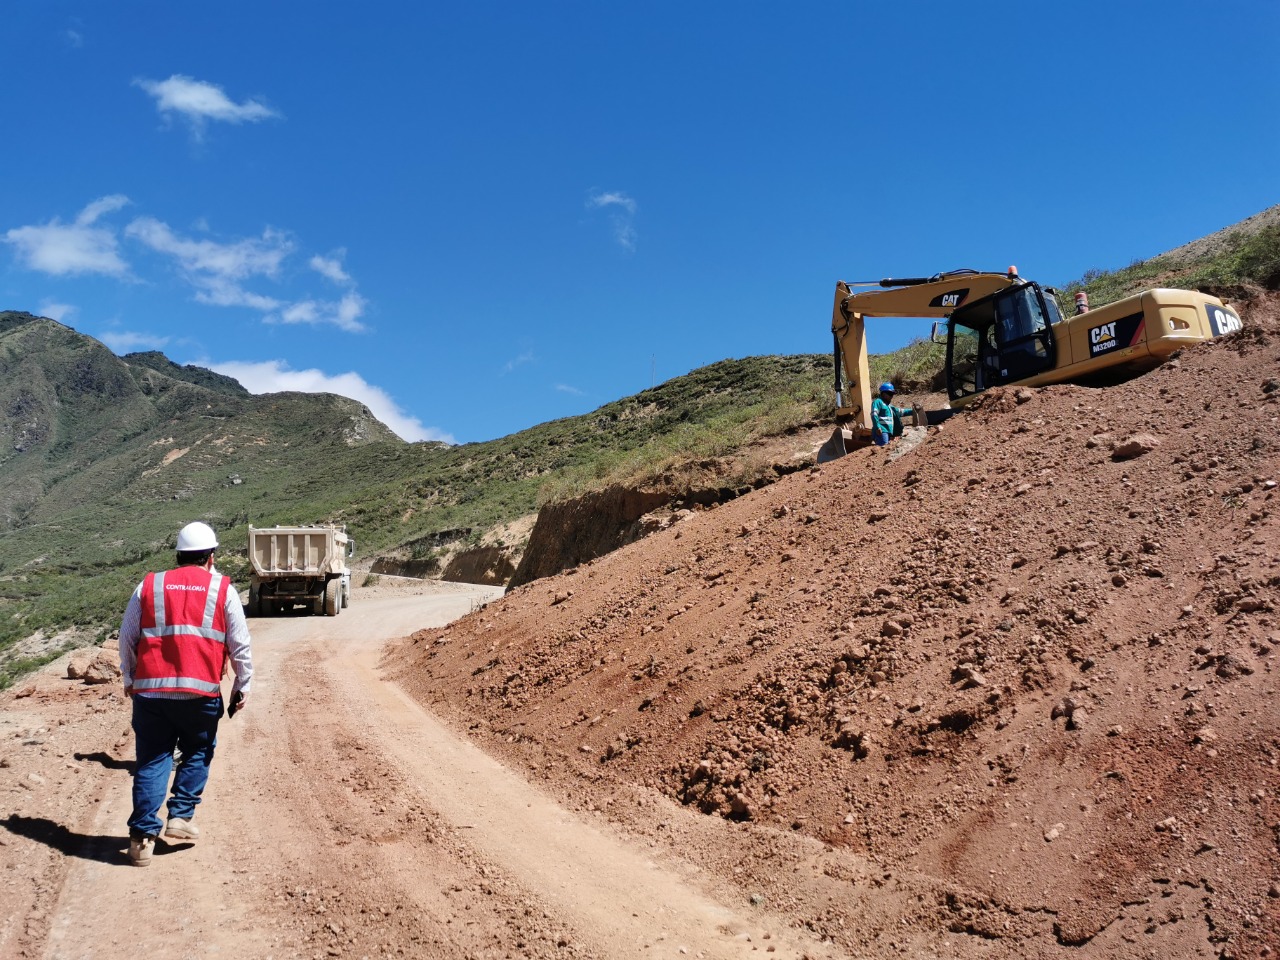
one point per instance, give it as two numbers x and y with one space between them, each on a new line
1015 690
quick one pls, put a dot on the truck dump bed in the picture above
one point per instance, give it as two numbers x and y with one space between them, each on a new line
296 551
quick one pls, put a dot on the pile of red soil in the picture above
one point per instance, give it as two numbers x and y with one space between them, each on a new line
1028 667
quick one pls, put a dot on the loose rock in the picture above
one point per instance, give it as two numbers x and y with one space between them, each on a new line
1136 446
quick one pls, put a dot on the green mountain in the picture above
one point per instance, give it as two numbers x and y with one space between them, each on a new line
103 458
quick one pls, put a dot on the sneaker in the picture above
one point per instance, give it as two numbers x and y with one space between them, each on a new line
140 850
179 829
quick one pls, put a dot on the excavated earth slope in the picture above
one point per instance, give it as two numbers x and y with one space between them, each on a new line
1017 687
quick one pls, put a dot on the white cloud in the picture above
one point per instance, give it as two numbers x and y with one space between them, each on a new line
218 270
198 102
520 361
73 35
272 376
331 267
223 292
622 211
126 341
565 388
625 234
614 199
219 273
344 314
109 204
222 274
56 311
239 260
307 311
349 309
60 249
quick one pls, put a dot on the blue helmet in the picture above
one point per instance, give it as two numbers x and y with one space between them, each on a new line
887 387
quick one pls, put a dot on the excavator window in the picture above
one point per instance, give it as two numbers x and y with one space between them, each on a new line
963 360
1000 339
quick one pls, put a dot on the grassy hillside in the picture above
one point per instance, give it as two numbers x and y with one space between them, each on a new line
1247 254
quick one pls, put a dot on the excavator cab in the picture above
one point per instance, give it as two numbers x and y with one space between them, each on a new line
1001 338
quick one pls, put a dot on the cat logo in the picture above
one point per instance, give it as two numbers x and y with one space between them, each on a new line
1224 320
951 299
1103 338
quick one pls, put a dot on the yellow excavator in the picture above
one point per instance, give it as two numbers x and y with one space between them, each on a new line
1003 330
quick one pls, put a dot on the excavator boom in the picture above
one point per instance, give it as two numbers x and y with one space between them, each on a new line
937 296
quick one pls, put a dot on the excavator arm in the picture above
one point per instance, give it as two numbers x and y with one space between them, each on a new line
935 296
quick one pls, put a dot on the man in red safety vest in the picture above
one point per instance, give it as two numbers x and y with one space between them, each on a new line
180 630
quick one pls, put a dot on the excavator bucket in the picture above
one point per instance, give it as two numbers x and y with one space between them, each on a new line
842 439
837 446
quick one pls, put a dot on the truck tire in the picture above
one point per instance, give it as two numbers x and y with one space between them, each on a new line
254 606
331 602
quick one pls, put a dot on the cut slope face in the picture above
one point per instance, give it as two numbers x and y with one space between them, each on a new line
1030 665
572 532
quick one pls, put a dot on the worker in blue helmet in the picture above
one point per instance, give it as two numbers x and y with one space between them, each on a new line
886 419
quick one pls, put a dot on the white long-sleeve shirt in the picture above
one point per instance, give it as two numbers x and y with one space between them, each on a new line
237 644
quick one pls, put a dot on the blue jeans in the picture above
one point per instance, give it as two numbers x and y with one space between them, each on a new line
159 726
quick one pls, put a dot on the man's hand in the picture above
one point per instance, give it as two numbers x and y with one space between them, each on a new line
128 691
238 703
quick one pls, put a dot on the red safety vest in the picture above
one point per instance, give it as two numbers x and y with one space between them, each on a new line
183 645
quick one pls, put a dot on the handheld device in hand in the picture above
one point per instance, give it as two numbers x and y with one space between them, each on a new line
236 699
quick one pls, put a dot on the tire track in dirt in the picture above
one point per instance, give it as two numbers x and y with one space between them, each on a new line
342 820
616 899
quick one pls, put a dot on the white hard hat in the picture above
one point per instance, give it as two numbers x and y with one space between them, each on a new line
196 536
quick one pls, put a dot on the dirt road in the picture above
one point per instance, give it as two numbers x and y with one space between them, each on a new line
341 820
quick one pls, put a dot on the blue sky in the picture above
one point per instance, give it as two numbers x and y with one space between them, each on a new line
476 217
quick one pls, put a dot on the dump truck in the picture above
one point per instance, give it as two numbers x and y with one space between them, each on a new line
299 566
1000 330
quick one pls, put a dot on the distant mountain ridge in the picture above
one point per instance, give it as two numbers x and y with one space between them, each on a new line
200 376
1211 244
80 423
